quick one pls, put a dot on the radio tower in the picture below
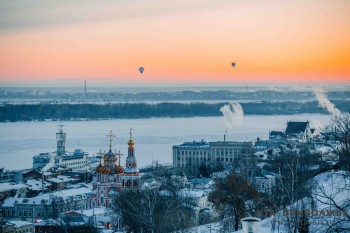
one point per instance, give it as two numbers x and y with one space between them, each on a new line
84 89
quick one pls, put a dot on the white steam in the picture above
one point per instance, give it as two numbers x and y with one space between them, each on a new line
48 165
324 102
233 115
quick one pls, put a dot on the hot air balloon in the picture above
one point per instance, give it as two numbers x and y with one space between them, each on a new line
233 64
141 69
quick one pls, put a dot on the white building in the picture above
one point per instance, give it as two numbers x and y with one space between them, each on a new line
264 182
77 161
194 154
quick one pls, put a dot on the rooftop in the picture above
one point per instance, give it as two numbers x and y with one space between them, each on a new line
201 143
20 223
11 186
296 127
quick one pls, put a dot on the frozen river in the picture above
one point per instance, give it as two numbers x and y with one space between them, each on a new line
154 138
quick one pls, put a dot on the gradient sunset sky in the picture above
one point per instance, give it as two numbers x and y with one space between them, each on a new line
177 41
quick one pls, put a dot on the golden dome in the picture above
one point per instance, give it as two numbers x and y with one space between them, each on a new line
104 170
118 169
131 142
98 167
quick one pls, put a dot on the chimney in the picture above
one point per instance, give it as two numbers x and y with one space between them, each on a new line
224 137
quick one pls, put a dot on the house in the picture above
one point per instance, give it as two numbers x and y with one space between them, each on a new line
298 131
48 204
264 181
61 182
11 189
34 174
276 135
49 226
23 226
35 187
6 227
99 217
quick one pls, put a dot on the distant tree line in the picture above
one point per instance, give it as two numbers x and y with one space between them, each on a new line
30 112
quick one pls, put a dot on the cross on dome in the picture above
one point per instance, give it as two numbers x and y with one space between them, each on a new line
131 129
119 155
110 136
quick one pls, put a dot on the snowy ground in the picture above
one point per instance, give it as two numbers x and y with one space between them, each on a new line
332 183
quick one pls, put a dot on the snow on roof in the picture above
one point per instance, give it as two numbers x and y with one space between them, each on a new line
62 179
193 193
72 192
95 211
36 185
20 223
11 201
194 144
11 186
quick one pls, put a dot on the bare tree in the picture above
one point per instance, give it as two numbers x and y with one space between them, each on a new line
294 169
160 209
230 199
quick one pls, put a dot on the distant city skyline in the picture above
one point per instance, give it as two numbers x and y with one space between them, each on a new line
194 42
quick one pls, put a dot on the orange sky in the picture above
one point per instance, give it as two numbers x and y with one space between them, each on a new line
176 41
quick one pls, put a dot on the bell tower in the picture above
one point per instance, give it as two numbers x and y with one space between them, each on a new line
61 141
131 176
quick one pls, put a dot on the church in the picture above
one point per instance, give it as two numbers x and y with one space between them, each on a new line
111 177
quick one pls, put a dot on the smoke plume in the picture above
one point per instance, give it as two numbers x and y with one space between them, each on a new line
233 115
324 102
48 165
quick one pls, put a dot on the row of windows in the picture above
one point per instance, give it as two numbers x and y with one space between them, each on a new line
218 152
75 163
217 159
192 153
189 159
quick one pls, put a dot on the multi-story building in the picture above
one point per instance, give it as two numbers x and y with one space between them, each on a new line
194 154
46 205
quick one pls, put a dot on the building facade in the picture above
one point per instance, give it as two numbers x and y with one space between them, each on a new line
111 178
194 154
46 205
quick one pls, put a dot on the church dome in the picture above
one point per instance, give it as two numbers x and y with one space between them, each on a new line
98 167
109 155
131 142
104 170
118 169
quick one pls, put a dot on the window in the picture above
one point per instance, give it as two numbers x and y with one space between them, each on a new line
40 229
